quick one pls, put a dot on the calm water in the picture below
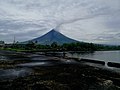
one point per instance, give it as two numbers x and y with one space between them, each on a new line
113 56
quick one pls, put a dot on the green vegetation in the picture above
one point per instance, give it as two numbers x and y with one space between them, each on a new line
78 46
81 46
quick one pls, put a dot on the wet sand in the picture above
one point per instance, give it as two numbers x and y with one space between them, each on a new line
28 71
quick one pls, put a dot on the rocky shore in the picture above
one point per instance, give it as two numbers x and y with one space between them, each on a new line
59 75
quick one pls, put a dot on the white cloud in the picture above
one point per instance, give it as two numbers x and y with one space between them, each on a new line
84 20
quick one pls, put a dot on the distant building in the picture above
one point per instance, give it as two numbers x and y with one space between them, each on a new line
2 43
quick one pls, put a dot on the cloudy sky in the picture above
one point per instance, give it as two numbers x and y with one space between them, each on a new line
96 21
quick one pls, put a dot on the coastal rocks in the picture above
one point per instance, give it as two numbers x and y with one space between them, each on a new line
37 73
93 61
113 64
103 84
106 85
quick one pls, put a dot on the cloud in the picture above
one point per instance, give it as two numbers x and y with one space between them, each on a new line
83 20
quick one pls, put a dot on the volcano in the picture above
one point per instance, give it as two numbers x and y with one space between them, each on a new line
52 36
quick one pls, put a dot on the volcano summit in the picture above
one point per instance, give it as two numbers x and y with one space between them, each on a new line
52 36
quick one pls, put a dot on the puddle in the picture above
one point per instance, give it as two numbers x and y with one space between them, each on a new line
14 73
3 58
38 58
34 64
44 63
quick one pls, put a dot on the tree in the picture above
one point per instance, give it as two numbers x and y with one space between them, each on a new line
30 45
54 45
36 42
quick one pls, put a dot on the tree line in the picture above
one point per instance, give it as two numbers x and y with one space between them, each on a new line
78 46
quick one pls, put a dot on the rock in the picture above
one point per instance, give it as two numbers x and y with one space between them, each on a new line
107 83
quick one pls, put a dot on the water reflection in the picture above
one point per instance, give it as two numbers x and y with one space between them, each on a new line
41 60
14 73
3 58
32 64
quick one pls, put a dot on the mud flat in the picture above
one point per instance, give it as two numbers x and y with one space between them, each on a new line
55 74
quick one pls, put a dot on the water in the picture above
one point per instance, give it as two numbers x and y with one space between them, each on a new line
20 70
41 60
13 73
34 64
107 56
3 58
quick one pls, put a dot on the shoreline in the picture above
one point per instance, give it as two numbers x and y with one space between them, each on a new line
62 75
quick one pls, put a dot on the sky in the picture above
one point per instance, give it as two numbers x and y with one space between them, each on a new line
96 21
